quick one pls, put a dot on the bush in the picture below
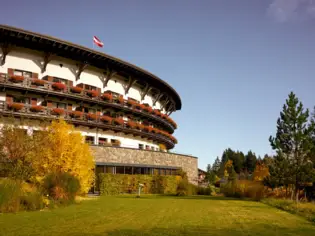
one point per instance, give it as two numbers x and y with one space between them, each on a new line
32 201
243 188
10 192
109 184
61 187
306 210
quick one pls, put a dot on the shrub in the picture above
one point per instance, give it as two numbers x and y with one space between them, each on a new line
62 187
110 184
16 106
38 82
32 201
10 192
243 188
35 108
76 89
17 78
58 86
306 210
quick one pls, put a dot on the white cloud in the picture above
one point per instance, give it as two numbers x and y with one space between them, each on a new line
291 10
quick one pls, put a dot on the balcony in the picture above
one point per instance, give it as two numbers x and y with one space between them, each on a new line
87 119
76 93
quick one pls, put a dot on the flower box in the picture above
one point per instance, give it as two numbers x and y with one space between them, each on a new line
137 105
107 97
106 119
35 108
16 106
76 114
121 100
38 82
92 93
131 124
139 126
75 89
17 78
57 111
131 102
91 116
58 86
118 121
147 108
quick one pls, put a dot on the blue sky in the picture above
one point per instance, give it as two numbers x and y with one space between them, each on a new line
232 62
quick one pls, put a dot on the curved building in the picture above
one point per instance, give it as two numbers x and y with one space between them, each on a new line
118 107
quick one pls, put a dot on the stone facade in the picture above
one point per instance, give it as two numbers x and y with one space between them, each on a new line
189 164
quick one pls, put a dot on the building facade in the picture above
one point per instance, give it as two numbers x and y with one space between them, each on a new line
114 104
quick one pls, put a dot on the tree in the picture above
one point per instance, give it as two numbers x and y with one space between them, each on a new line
62 149
261 171
293 141
16 148
210 176
216 166
250 162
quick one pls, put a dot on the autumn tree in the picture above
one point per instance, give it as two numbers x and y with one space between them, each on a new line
293 141
62 149
261 171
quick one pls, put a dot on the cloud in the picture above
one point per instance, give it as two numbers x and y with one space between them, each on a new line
291 10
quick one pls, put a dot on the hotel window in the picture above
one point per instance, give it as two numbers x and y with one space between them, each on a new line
89 139
147 147
138 170
109 169
102 141
90 87
59 80
152 148
21 100
120 169
128 170
99 169
140 146
26 74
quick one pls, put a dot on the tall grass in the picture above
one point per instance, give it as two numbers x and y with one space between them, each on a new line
10 195
243 189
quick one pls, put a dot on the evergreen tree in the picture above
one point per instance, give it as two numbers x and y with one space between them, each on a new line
250 162
293 142
216 166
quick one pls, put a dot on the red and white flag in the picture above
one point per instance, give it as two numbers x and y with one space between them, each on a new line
98 42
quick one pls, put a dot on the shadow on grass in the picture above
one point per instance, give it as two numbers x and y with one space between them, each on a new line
194 197
255 230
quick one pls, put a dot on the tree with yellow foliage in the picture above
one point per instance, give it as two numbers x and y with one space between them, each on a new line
261 171
62 149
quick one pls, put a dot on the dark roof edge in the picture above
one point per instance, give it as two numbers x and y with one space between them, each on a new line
83 48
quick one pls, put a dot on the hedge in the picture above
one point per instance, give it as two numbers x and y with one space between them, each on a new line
110 184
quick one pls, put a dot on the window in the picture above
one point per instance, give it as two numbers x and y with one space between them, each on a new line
99 169
59 80
152 148
26 74
137 170
109 169
102 141
140 146
21 100
147 147
89 139
90 87
120 169
61 105
128 170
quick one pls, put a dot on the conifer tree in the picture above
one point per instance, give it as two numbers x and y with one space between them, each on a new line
293 143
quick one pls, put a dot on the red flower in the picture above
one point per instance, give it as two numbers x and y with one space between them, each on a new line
106 119
76 89
92 116
58 86
76 114
118 121
107 97
57 111
17 78
38 82
16 106
92 93
121 100
35 108
131 124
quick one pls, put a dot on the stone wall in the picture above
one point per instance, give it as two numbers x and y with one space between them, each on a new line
189 164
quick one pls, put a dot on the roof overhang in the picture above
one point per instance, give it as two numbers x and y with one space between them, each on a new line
26 39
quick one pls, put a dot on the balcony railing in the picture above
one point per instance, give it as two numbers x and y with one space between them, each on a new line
75 93
86 119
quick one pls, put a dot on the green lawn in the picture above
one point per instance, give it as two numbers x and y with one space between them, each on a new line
157 215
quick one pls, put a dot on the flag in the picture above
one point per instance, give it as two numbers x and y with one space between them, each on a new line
98 42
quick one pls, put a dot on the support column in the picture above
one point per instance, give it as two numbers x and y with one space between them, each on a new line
5 48
157 97
131 82
145 91
81 68
47 58
109 74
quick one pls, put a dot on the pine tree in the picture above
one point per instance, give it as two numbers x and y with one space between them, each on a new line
216 166
250 161
293 143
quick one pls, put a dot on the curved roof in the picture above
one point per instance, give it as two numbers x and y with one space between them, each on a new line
40 42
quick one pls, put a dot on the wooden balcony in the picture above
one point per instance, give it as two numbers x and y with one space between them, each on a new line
80 118
62 91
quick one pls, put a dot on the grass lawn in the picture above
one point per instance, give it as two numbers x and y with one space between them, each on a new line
157 215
